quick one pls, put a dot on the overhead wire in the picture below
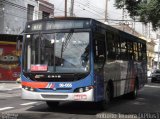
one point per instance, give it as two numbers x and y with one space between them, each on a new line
91 9
83 9
94 7
88 9
97 8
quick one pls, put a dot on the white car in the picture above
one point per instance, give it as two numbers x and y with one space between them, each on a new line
155 76
149 73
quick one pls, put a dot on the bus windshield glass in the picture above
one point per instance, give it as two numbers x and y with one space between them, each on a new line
57 52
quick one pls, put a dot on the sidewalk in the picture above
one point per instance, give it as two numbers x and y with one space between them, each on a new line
6 86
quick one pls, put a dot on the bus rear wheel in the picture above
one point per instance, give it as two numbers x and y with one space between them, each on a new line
134 93
52 104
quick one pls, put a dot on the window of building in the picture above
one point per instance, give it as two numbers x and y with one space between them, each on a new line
45 15
30 11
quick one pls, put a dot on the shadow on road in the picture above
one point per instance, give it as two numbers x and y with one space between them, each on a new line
84 108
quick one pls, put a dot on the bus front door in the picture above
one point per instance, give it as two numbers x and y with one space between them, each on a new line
99 61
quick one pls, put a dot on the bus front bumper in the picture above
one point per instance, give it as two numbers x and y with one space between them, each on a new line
48 96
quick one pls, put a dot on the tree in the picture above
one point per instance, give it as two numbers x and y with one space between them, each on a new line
145 10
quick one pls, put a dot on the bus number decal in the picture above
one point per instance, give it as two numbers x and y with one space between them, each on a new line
65 85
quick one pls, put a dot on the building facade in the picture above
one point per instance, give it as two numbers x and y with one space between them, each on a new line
15 13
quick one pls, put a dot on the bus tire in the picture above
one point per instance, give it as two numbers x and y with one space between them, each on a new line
134 93
108 95
52 104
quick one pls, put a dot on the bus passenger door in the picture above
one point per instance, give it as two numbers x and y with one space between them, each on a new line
99 61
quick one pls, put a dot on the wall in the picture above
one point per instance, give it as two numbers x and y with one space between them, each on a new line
1 17
15 15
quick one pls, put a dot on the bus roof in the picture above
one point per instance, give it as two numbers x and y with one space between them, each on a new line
60 18
92 22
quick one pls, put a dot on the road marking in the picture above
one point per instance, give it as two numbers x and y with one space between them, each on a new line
29 103
5 108
152 86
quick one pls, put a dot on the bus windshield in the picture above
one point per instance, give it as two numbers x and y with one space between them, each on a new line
57 52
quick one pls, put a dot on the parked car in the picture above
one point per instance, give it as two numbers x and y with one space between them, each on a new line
155 75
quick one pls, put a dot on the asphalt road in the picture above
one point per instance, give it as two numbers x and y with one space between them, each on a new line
146 106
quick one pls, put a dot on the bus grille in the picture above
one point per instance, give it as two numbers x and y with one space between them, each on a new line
64 77
51 89
54 96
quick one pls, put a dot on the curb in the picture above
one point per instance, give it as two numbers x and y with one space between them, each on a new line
8 82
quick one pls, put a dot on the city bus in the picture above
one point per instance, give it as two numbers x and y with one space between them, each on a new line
80 59
10 51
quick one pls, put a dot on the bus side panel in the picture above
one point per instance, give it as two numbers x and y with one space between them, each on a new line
140 69
99 89
112 73
122 74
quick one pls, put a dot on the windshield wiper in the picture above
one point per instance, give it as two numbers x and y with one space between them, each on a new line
65 43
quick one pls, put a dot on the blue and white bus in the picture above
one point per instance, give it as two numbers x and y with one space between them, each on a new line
80 59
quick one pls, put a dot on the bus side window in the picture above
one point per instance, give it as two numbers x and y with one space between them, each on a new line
118 47
111 46
139 51
135 48
144 55
99 49
123 49
130 50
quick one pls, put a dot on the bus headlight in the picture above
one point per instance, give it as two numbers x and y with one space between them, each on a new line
83 89
31 89
80 90
28 88
87 88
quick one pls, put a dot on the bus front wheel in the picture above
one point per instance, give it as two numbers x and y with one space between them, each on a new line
107 98
52 104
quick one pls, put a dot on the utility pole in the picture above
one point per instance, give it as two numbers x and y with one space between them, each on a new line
158 38
65 8
158 53
106 12
72 8
123 12
149 31
146 30
134 25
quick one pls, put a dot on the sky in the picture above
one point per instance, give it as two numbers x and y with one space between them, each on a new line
94 9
